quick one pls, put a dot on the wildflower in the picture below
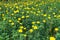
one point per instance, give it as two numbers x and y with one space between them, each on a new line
44 21
19 18
56 29
20 30
10 20
12 14
45 15
4 18
24 28
17 7
21 27
23 17
16 11
38 22
12 23
31 30
55 16
49 17
52 38
35 27
2 15
33 22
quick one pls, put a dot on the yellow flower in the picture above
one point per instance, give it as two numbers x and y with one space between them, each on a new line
24 28
45 15
38 22
12 23
20 30
23 17
35 27
33 22
56 29
10 20
21 27
52 38
31 30
44 21
19 18
16 11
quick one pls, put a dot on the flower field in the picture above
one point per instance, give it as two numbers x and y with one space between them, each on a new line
30 20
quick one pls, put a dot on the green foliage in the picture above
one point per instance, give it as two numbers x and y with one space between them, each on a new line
30 20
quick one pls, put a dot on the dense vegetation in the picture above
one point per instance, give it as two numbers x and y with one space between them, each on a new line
30 20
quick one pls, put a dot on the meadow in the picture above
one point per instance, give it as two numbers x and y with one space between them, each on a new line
30 20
